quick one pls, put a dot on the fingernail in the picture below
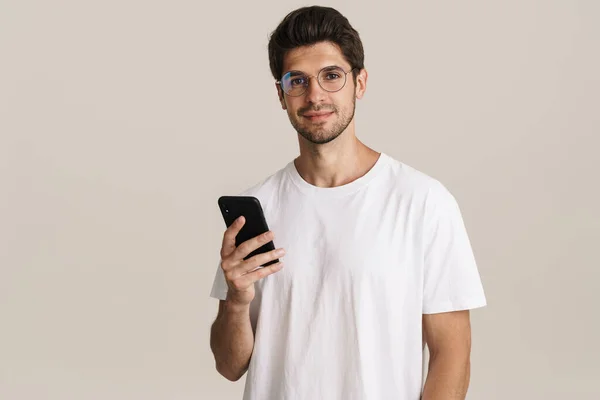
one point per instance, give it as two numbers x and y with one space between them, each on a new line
280 252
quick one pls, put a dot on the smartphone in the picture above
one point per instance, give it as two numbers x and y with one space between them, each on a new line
233 207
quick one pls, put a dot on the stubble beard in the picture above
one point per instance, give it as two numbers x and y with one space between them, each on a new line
316 133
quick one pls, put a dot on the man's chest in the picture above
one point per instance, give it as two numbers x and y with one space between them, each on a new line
348 244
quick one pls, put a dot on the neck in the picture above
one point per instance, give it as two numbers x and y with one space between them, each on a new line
336 163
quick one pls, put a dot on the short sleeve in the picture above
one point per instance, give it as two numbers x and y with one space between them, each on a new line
219 287
451 279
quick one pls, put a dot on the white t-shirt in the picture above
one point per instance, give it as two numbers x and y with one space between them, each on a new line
364 261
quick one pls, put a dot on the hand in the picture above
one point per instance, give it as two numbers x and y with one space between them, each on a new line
237 270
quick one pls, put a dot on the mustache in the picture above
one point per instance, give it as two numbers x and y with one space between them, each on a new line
331 108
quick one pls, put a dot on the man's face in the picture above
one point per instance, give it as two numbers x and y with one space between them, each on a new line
335 109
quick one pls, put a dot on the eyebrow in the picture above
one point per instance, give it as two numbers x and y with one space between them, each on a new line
297 73
329 68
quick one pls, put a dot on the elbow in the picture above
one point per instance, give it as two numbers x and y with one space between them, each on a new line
228 373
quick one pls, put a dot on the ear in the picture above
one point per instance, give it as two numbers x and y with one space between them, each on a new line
281 96
361 83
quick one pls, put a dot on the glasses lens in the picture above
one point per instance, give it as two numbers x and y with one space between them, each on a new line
294 83
332 79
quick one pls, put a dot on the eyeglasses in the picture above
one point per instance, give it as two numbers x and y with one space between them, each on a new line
331 79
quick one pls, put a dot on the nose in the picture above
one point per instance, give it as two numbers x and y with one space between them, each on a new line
314 92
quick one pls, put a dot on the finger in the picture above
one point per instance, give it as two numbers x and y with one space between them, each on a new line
258 260
251 277
252 244
231 232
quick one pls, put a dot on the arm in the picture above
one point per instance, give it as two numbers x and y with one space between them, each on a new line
448 337
232 340
231 335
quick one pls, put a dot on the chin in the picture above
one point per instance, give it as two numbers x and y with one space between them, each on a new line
319 139
323 133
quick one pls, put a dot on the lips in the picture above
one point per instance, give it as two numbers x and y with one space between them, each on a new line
317 116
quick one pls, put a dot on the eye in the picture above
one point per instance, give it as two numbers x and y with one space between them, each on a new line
332 75
297 81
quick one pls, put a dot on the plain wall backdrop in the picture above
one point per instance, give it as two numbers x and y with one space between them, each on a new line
122 122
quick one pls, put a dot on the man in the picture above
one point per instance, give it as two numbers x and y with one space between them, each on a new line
377 259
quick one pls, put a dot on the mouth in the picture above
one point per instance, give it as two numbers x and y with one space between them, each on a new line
317 117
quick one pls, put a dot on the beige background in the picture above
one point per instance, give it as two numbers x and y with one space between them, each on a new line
122 122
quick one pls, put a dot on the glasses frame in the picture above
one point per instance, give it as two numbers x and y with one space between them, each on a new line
280 82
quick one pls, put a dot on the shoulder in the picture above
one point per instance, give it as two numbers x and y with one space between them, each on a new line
420 186
265 189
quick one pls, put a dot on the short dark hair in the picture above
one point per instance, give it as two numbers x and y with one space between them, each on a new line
310 25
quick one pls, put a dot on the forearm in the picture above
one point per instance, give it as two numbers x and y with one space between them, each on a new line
232 340
448 377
